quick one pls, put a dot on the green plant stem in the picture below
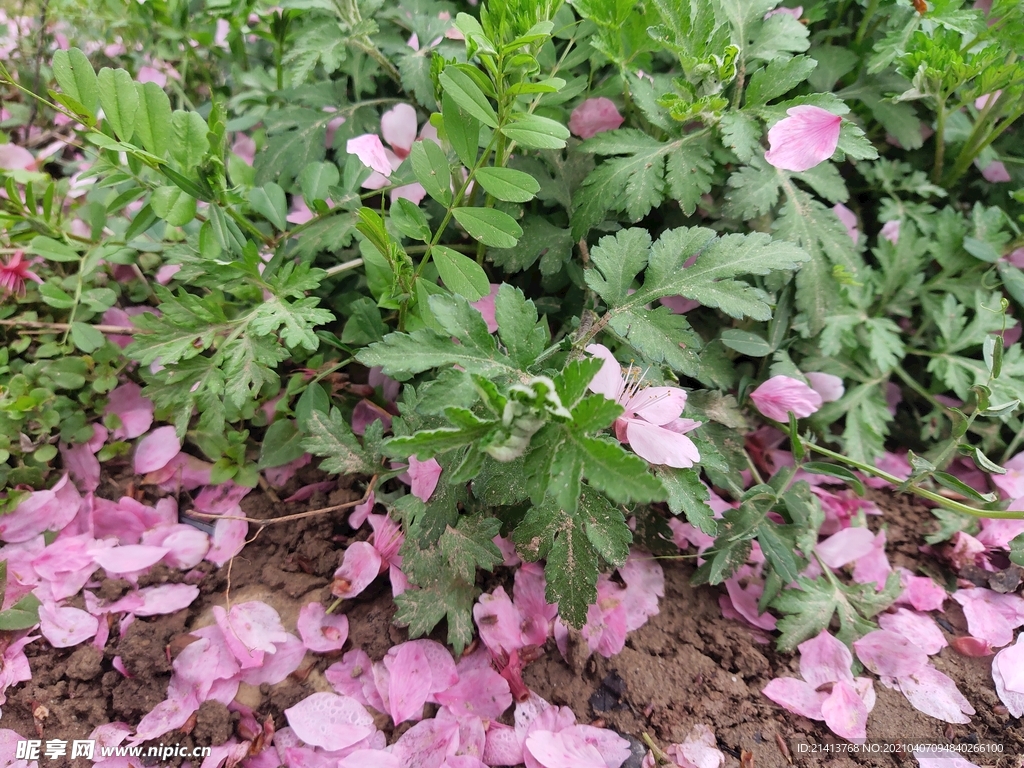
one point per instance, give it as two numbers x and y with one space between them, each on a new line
865 22
942 501
911 382
940 140
659 755
964 159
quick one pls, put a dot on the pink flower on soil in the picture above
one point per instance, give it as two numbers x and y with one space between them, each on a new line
321 633
330 721
14 273
807 137
849 219
594 116
1008 674
995 172
651 424
779 395
156 450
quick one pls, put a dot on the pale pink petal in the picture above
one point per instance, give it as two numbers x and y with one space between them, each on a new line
889 654
398 126
796 12
256 625
990 616
220 499
320 632
156 449
159 600
698 750
935 694
15 158
828 386
485 307
796 696
151 75
779 395
414 193
807 137
228 538
995 172
891 231
645 583
65 627
608 381
424 475
874 567
744 600
346 676
502 747
443 673
330 721
364 758
997 534
360 566
921 592
594 116
299 212
918 628
245 147
824 659
409 685
987 99
845 546
186 546
427 744
845 712
659 445
1008 673
481 692
42 511
134 557
81 462
679 305
370 152
564 749
166 716
614 749
657 405
499 622
285 659
529 596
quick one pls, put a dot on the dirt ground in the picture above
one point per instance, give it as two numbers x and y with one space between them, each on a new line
687 665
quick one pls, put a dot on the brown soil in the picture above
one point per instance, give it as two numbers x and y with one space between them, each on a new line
687 665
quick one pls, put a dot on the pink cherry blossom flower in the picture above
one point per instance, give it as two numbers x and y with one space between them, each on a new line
594 116
891 231
849 219
651 424
779 395
796 13
807 137
14 273
995 172
370 152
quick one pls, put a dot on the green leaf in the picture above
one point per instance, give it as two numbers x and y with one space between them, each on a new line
281 444
173 206
810 607
55 297
364 325
778 78
535 132
687 494
462 130
489 226
153 120
430 166
469 546
24 614
86 338
189 142
77 78
331 436
461 274
508 184
52 250
120 101
316 181
623 476
835 470
520 331
467 94
294 320
605 527
741 134
410 220
431 442
571 571
269 201
746 343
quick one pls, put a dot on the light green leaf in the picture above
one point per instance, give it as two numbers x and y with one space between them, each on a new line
535 132
431 169
173 206
746 343
462 130
281 444
86 338
460 273
77 79
270 202
467 94
153 120
489 226
189 143
410 220
52 250
120 101
521 333
778 78
508 184
316 181
687 494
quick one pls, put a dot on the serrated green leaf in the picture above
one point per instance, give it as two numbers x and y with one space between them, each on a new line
330 436
605 527
520 331
777 78
687 494
469 546
120 101
571 571
281 444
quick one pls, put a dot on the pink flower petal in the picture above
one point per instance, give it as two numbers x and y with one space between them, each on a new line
1008 674
935 694
940 757
81 462
594 116
481 692
745 602
427 744
828 386
874 567
502 747
424 476
398 126
921 592
845 713
971 646
360 566
796 696
409 685
849 219
159 600
845 546
370 152
886 653
564 749
330 721
990 616
228 539
485 307
346 676
285 659
321 633
996 173
50 510
645 583
807 137
608 381
824 659
918 628
779 395
657 405
659 445
65 627
156 449
499 622
134 557
891 231
15 158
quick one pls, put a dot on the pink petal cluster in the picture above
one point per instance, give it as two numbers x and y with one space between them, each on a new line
828 691
780 395
991 616
807 137
594 116
363 561
651 424
903 665
13 274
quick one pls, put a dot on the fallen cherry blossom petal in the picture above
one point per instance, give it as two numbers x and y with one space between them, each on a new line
594 116
798 697
889 654
1007 664
562 749
845 713
159 600
807 137
346 676
156 450
845 546
360 566
921 592
971 646
49 510
427 744
362 758
127 559
329 720
499 622
285 659
991 616
645 583
502 747
409 684
918 628
321 633
825 659
134 411
64 627
935 694
780 395
481 692
228 538
940 757
425 475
